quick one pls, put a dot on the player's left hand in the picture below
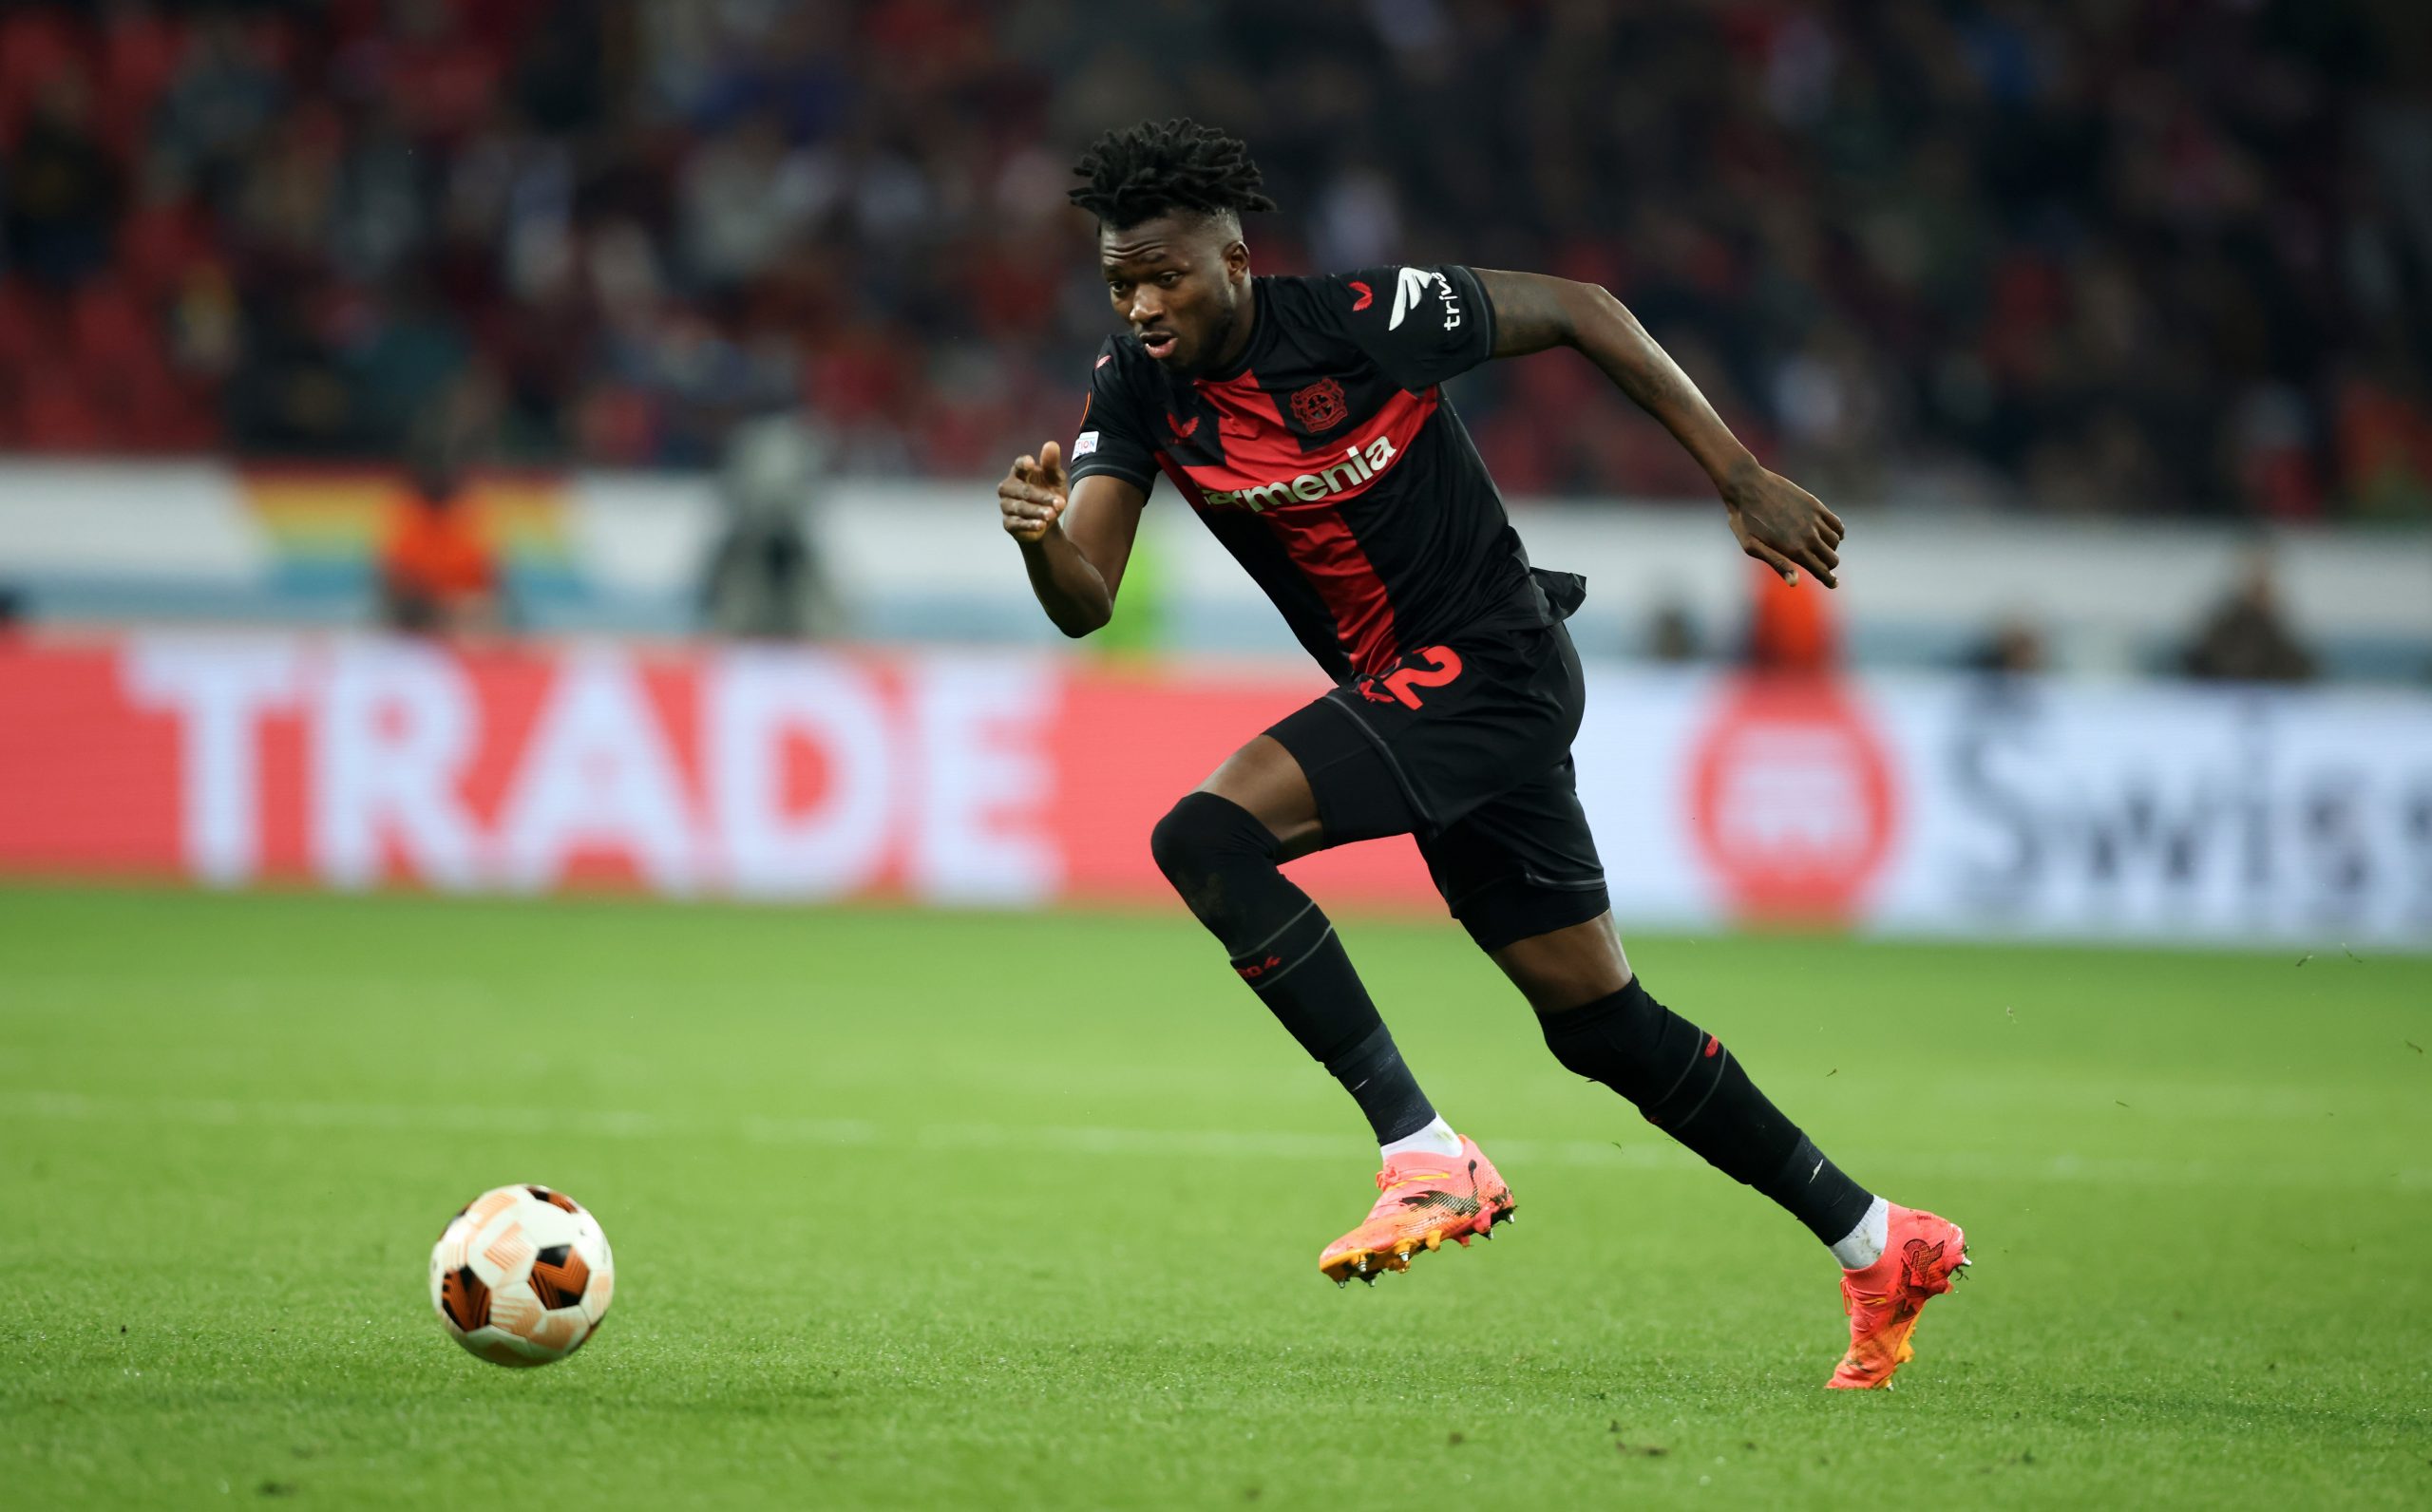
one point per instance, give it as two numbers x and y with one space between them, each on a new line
1782 525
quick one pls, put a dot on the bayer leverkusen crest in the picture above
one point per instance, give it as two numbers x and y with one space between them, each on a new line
1319 406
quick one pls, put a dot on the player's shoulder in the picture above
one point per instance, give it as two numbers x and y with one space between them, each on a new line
1124 375
1373 301
1325 300
1119 360
1125 395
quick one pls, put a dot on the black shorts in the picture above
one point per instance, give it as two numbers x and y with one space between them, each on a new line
1466 747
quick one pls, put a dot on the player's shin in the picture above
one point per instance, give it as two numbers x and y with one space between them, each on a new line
1222 860
1689 1084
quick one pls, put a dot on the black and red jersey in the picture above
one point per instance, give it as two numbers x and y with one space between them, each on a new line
1329 462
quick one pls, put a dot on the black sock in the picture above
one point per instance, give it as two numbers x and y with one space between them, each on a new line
1693 1088
1813 1190
1372 1072
1222 860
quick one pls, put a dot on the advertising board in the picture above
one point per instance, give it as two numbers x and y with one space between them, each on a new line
1909 806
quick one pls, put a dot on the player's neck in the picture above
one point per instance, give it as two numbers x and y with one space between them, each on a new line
1245 328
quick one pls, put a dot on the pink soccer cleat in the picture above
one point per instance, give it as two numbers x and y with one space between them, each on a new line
1422 1200
1920 1260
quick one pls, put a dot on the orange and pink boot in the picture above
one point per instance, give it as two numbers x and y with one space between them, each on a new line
1422 1200
1921 1258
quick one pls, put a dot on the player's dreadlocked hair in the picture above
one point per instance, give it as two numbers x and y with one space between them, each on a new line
1139 173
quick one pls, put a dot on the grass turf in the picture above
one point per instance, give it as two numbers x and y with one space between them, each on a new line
915 1209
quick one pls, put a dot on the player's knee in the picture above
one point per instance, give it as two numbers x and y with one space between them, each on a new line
1628 1041
1588 1039
1200 838
1178 843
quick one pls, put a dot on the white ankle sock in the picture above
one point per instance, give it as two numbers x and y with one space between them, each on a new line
1435 1139
1863 1245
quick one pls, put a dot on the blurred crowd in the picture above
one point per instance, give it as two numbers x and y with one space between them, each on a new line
2106 256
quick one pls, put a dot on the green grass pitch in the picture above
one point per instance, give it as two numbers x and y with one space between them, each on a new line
921 1210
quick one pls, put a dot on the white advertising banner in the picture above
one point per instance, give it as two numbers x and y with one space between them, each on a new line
2162 814
1956 806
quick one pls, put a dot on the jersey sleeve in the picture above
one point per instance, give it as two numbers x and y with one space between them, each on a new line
1109 440
1419 326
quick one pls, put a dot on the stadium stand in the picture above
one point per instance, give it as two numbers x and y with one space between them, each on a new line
2114 258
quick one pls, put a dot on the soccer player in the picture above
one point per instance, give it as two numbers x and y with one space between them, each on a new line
1303 420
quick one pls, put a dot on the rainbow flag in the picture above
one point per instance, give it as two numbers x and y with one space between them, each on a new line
325 528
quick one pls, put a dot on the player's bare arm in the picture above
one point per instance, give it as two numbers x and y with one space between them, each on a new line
1778 522
1074 540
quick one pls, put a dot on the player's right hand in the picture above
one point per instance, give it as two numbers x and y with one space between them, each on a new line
1033 495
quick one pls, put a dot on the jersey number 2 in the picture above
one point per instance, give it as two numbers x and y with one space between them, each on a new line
1404 682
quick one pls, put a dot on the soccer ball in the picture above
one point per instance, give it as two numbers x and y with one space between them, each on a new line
521 1276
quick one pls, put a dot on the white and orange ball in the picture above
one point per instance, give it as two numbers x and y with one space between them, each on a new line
521 1276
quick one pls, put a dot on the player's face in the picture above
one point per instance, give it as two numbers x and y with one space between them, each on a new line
1177 281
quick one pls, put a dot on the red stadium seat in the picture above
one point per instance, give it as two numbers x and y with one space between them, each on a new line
139 54
31 326
111 330
57 415
158 242
119 369
36 46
